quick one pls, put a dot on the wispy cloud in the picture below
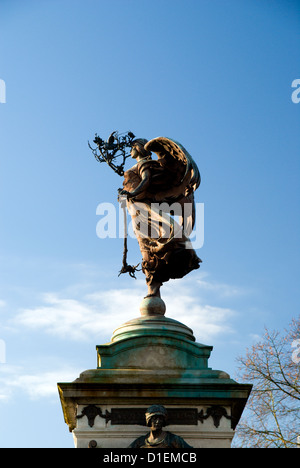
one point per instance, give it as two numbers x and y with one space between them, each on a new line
97 314
90 315
223 290
94 315
35 384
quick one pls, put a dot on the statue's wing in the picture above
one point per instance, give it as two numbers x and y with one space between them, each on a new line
174 177
175 159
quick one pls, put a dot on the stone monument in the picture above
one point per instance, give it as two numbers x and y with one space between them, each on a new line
154 361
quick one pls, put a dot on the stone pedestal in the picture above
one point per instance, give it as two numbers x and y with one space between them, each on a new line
152 360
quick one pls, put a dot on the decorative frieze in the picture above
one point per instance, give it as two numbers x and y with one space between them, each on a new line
136 416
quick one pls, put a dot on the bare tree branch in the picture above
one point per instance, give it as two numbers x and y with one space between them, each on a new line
272 415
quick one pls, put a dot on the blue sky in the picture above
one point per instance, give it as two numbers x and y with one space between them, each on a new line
216 76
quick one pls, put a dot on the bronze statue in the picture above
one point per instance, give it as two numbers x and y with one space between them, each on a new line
155 191
156 418
154 188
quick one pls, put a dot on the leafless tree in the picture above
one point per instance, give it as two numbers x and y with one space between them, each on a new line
272 415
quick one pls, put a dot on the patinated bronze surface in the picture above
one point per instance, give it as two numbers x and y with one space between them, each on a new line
156 419
155 192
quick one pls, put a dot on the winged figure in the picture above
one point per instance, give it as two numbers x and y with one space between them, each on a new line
158 191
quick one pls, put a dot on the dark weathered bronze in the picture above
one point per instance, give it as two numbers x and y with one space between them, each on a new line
92 444
91 411
141 416
216 412
156 418
129 416
153 190
115 147
125 267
